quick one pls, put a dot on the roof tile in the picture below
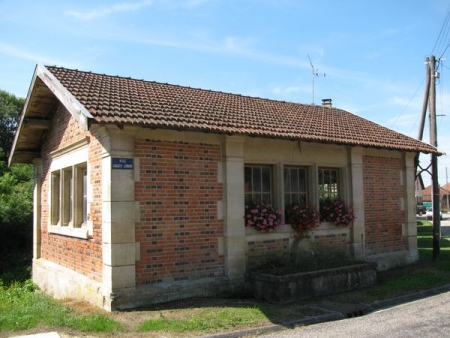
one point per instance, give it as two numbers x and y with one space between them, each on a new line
114 99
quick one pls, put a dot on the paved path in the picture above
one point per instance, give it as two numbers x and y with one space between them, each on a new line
426 317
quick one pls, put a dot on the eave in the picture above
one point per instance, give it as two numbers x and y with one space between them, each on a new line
44 95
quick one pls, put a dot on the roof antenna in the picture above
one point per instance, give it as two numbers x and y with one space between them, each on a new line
315 73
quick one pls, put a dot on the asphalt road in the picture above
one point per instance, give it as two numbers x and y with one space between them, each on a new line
428 317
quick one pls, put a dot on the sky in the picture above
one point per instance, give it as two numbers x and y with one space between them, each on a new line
367 56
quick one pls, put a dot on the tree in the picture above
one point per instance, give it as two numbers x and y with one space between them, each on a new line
16 204
10 109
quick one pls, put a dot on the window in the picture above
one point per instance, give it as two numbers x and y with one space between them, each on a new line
69 196
295 186
328 183
258 184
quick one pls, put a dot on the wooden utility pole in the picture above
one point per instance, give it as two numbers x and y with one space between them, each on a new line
436 199
425 101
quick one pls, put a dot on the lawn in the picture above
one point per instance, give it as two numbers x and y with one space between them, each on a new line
22 306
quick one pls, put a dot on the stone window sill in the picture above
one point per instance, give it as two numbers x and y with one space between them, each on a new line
69 231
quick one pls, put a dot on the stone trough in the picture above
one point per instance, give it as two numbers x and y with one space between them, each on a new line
298 286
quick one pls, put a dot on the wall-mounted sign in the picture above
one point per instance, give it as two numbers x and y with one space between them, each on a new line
122 163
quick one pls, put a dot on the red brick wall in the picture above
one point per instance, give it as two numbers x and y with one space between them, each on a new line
382 204
178 193
332 243
264 251
83 256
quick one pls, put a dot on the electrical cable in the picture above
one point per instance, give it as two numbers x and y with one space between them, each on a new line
445 24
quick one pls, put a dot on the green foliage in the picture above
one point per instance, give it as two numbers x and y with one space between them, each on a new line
16 202
10 109
16 207
22 307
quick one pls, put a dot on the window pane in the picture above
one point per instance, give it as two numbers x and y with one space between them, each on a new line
294 180
66 206
295 186
302 180
71 199
56 196
85 213
328 183
258 184
287 184
257 179
248 198
266 199
248 179
266 179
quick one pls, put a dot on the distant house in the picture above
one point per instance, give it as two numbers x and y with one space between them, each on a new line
427 196
140 187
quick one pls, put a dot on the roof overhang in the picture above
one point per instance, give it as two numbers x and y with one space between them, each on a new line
43 98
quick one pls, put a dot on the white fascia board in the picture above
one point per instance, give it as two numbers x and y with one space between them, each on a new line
78 111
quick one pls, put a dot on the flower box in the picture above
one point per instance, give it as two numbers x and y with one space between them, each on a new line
298 286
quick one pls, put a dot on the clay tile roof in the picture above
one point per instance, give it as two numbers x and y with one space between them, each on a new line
126 101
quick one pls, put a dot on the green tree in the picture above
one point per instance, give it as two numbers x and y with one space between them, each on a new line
16 203
10 109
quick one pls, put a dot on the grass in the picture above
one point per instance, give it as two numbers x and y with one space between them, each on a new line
22 305
208 319
422 275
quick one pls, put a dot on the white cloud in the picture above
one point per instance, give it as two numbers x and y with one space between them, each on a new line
132 6
184 3
36 58
238 45
116 8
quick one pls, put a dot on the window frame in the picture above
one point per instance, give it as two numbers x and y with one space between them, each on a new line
330 194
69 194
249 188
306 190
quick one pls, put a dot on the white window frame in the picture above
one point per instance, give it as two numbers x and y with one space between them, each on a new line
69 192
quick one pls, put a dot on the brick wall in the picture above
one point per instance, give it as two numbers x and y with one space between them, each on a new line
383 194
83 256
179 229
260 252
332 243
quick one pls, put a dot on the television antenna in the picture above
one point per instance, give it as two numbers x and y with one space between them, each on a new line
315 73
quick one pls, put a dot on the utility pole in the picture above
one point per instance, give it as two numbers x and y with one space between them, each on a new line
425 101
436 199
446 187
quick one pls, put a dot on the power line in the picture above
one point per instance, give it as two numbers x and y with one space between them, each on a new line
439 42
407 105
